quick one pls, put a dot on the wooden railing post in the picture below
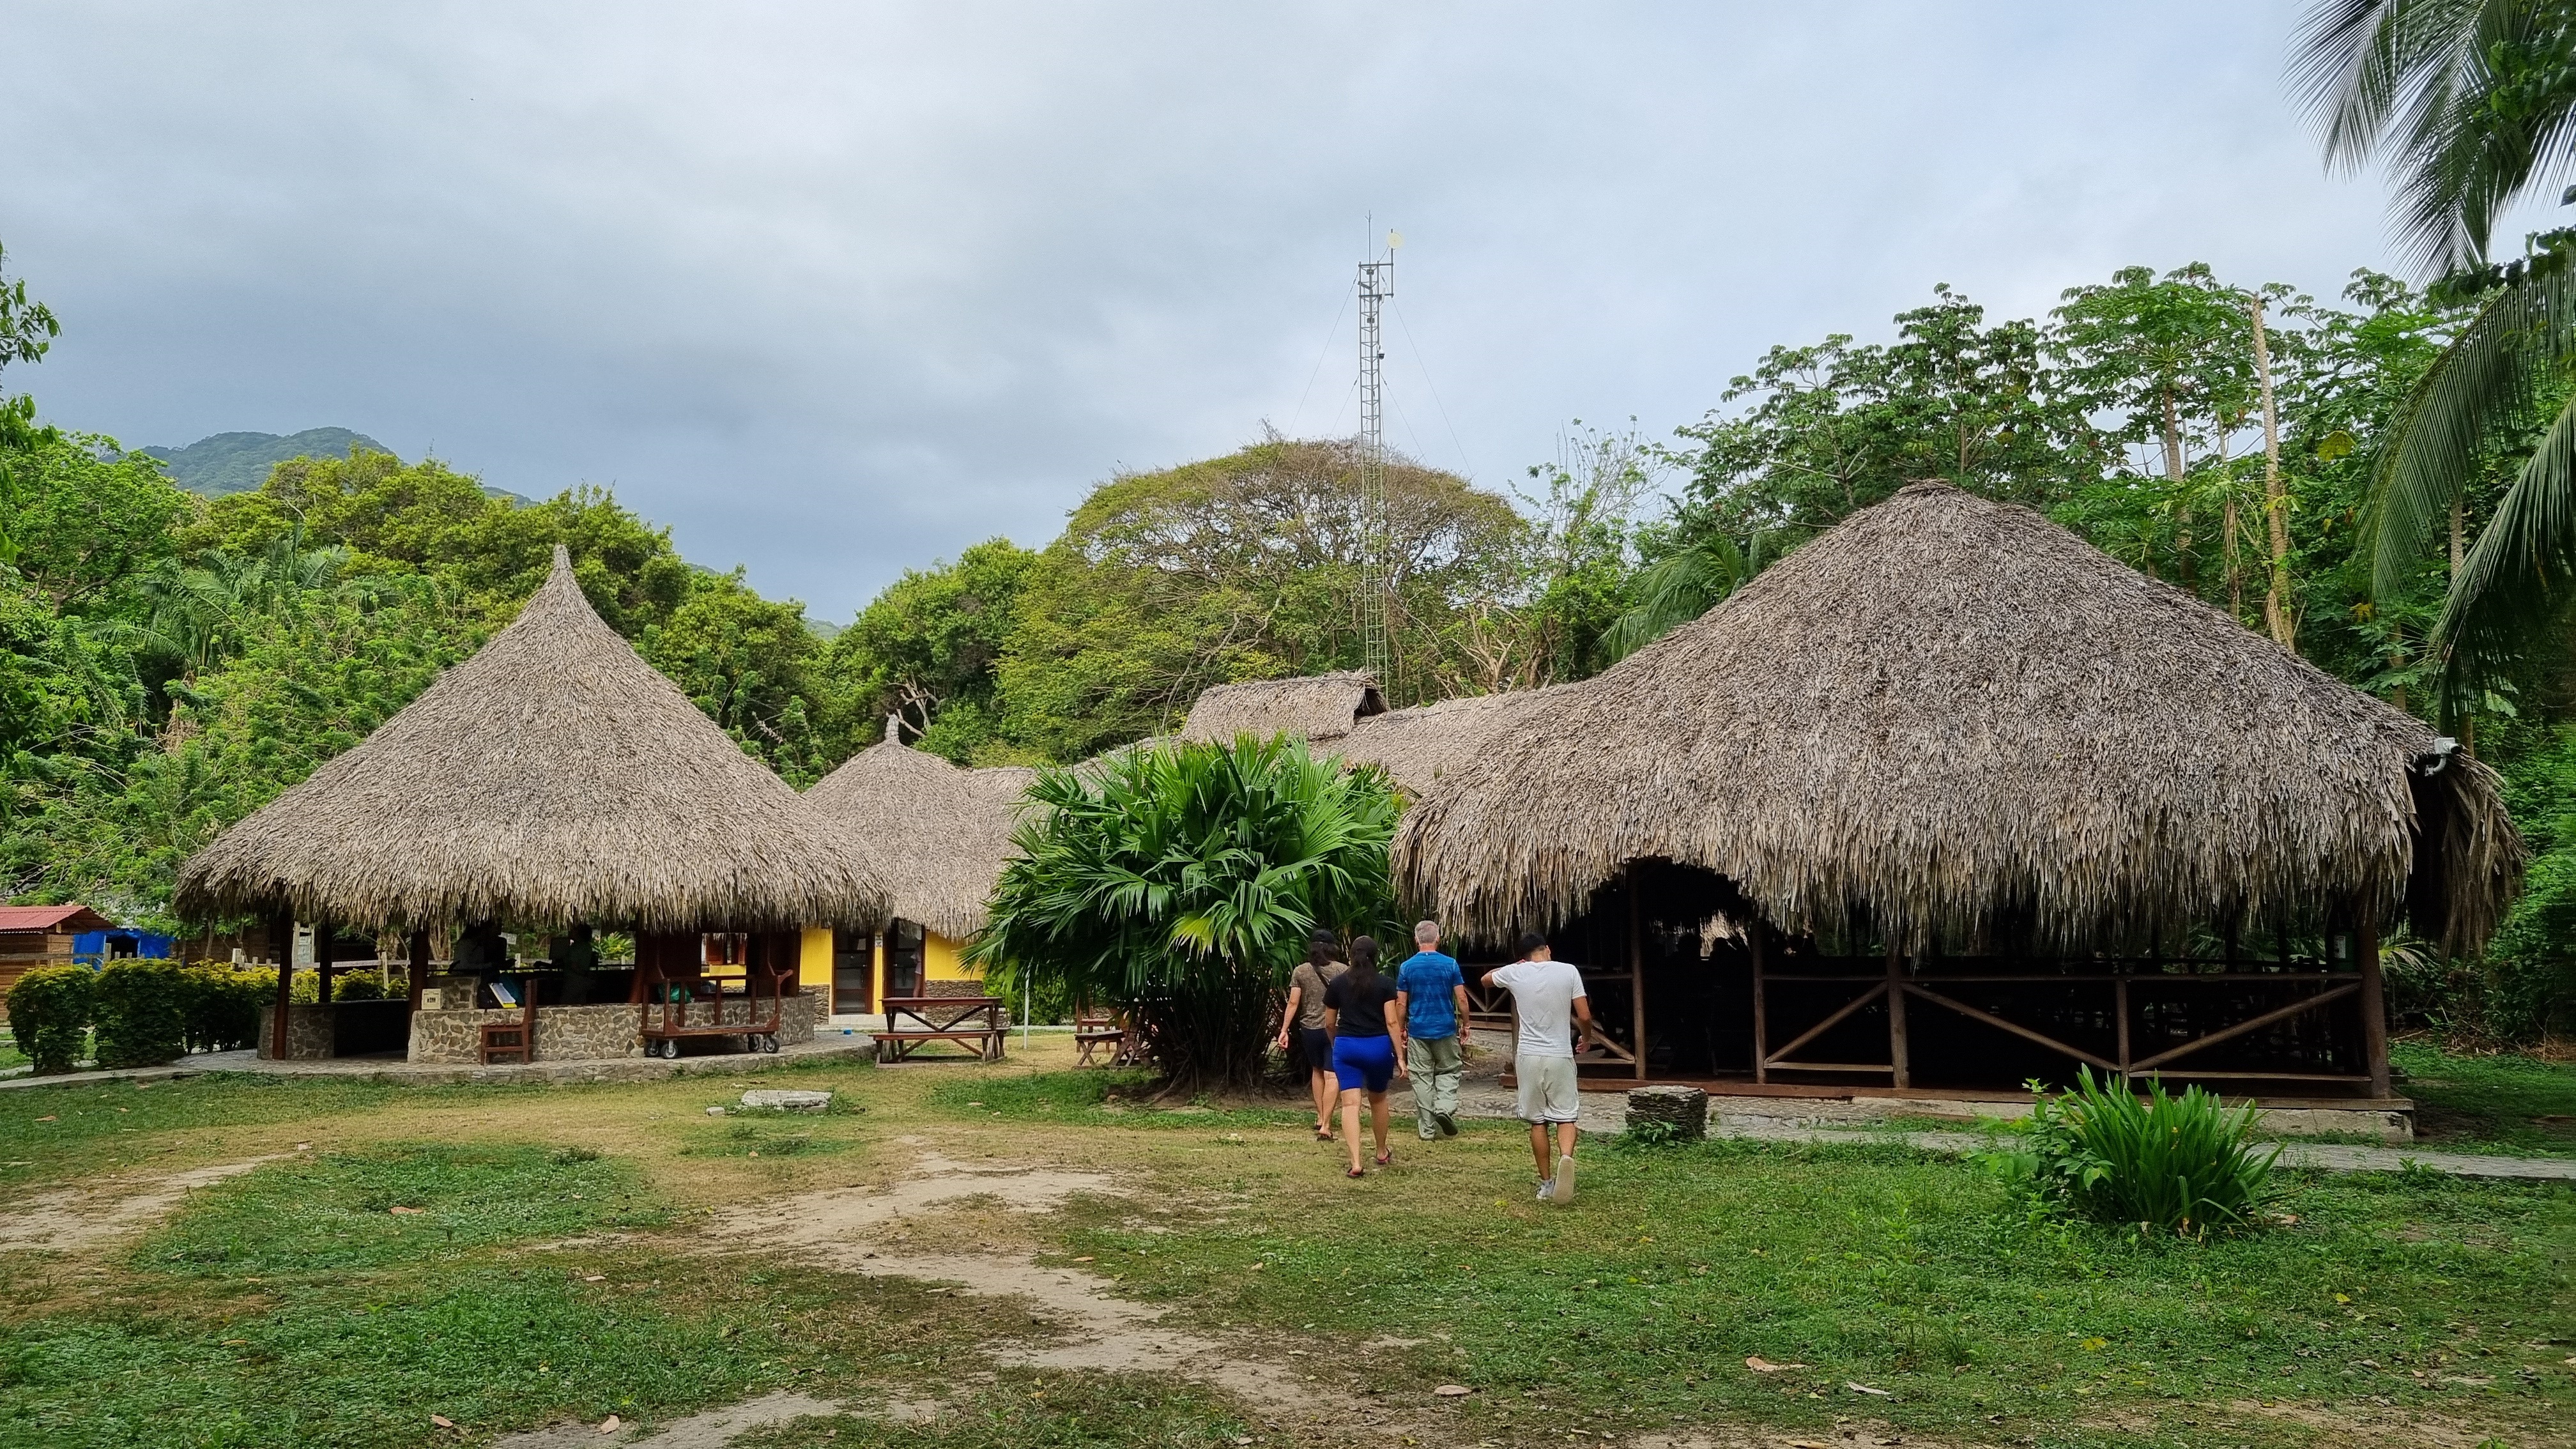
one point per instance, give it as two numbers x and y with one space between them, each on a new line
2374 1002
1636 972
1761 1020
1896 1052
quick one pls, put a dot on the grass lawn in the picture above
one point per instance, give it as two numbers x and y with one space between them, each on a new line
503 1256
10 1056
2501 1103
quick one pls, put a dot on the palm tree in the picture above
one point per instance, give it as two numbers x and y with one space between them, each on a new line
1683 585
2473 104
1179 883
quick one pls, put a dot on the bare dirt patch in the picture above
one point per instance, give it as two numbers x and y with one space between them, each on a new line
67 1219
713 1429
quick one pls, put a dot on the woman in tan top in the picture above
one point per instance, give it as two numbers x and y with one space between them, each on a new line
1307 1017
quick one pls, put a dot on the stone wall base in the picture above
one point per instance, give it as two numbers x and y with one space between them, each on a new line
587 1033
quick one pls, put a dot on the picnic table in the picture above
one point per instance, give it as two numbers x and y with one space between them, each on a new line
914 1022
1103 1039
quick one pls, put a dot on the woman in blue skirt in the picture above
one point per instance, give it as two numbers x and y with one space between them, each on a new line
1368 1049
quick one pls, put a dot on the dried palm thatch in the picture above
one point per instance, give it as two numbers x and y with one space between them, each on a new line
937 834
1951 719
553 777
1419 746
1310 707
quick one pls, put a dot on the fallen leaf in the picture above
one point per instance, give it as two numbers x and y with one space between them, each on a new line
442 1421
609 1424
1866 1389
406 1212
1453 1391
1082 1260
44 1119
303 1146
1761 1365
1257 1267
594 1277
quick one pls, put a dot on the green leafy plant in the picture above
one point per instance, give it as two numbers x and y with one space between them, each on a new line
142 1014
49 1013
220 1006
2184 1165
1179 883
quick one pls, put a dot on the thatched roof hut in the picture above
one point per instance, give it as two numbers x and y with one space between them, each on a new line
1315 707
553 777
1952 719
1422 745
937 834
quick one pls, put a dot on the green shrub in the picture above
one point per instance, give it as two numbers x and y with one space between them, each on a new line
2184 1165
221 1006
49 1014
142 1014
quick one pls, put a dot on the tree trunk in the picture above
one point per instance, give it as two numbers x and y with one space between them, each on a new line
2175 473
2235 573
2458 506
2276 504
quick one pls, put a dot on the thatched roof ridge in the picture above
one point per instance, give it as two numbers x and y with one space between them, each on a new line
1311 706
553 777
1420 745
939 835
1953 717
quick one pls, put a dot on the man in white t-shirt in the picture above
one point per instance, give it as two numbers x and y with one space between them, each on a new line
1548 996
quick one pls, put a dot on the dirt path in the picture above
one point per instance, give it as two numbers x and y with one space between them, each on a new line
846 1228
70 1218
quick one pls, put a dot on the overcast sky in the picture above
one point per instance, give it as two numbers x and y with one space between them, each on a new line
834 290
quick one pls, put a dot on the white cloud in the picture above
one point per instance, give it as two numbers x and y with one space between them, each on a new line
834 292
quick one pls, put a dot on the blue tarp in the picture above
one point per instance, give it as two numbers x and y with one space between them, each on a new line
97 948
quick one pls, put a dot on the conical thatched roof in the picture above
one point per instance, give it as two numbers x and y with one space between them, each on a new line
937 834
1311 707
1953 717
553 777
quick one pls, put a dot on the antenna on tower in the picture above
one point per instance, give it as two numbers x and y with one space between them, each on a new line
1377 284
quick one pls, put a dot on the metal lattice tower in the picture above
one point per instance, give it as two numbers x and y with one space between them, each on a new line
1377 284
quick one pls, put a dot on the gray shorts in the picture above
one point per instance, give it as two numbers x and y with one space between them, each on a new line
1547 1091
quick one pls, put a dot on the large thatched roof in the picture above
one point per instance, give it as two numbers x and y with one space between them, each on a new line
553 777
1953 717
937 834
1420 746
1310 706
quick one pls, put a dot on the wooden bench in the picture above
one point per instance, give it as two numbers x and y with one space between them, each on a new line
1101 1040
914 1022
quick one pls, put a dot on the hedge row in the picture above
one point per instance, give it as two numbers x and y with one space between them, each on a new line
145 1013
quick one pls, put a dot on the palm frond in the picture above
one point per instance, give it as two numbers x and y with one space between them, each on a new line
2514 584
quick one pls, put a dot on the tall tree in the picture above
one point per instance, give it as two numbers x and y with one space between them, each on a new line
2473 105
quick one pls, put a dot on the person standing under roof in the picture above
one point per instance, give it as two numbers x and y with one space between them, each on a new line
1433 997
1368 1046
1548 996
1307 1017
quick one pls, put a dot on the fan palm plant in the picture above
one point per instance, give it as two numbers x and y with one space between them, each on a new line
2473 103
1179 883
1681 586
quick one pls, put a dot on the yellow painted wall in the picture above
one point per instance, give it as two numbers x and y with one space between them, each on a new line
940 960
814 959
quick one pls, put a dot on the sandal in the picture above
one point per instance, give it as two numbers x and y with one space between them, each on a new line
1355 1172
1323 1136
1386 1159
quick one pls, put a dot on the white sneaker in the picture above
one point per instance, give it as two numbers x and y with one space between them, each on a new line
1546 1191
1563 1183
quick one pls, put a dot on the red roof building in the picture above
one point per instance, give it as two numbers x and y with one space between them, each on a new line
32 936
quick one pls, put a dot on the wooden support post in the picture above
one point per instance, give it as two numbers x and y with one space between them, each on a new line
1761 1022
2374 1002
281 939
2120 1004
1636 972
419 966
1896 1055
324 958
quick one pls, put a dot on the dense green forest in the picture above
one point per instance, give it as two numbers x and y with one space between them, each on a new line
172 661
